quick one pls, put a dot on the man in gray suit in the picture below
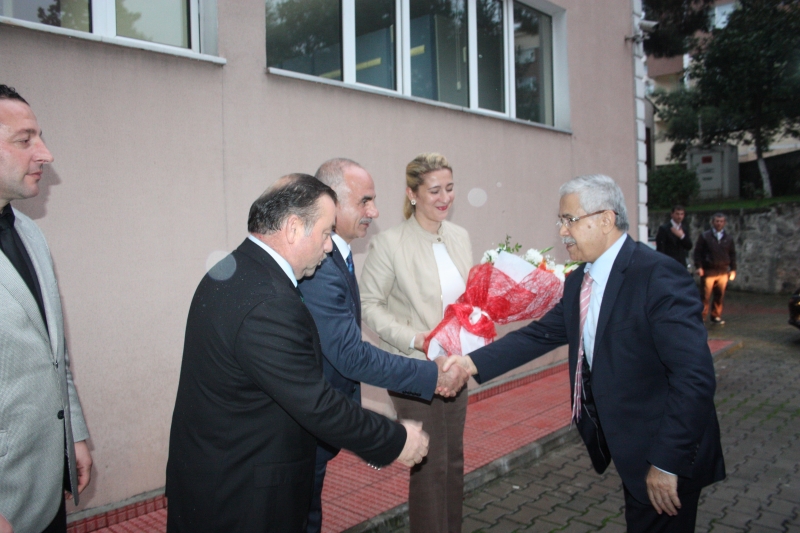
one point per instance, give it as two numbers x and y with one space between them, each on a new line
44 458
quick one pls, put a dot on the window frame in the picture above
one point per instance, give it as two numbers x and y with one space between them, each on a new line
560 71
202 30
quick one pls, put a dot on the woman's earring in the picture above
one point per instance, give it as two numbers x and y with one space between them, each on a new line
413 202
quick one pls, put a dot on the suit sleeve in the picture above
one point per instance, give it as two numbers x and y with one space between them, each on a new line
275 347
661 239
686 242
79 430
378 278
326 297
521 346
674 314
699 251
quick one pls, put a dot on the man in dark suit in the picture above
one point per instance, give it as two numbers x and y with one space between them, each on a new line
332 296
252 399
44 454
640 368
673 237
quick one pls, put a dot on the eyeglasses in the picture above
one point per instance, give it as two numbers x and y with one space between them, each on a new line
567 222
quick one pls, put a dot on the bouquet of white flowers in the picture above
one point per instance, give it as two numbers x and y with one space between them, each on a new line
504 288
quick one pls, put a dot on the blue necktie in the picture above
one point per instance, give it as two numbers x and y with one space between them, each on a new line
350 266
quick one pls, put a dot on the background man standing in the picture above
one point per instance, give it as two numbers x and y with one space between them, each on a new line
333 298
252 399
40 412
640 368
715 261
673 237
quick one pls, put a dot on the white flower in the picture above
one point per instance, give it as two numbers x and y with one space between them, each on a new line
489 256
558 270
533 257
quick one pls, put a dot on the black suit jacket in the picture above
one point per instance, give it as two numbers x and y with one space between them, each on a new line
251 400
668 243
652 373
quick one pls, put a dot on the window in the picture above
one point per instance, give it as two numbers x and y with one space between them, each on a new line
174 23
498 56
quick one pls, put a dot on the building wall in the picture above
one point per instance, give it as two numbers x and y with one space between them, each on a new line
159 157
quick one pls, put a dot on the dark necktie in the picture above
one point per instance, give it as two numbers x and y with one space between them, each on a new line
350 267
18 256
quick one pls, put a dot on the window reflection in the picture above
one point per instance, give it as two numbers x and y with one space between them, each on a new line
491 75
439 68
305 36
72 14
158 21
533 58
375 43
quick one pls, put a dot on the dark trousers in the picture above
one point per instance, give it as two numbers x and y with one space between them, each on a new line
59 523
714 286
436 489
324 454
643 518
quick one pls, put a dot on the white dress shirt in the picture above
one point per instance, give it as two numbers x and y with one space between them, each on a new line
599 270
342 245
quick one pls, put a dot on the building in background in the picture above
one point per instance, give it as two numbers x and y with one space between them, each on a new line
167 119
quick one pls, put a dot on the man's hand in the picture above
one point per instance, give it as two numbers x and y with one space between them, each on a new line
5 527
464 362
452 380
416 447
732 275
662 489
419 340
678 232
83 463
700 272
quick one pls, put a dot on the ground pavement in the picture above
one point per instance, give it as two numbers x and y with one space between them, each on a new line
758 408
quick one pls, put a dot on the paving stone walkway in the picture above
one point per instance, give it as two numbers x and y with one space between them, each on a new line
758 407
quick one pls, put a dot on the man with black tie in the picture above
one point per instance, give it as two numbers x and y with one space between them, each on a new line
673 237
252 399
44 457
332 296
640 368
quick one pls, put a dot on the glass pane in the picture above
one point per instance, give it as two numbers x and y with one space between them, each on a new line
305 36
439 51
157 21
375 49
490 56
533 63
72 14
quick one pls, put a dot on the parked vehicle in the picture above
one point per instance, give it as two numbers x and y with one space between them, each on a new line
794 309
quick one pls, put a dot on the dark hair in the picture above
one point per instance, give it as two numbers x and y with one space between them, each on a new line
719 215
8 93
296 194
678 207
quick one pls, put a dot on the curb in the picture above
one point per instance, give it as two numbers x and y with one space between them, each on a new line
734 345
392 519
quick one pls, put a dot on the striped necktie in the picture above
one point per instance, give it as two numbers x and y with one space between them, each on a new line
586 297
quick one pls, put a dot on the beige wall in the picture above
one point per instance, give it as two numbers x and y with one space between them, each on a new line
158 159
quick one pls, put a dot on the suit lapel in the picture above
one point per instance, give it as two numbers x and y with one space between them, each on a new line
613 286
338 260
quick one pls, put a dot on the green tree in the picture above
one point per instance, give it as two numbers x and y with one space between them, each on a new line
670 185
744 84
678 23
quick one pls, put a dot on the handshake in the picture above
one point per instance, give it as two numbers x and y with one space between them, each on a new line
454 372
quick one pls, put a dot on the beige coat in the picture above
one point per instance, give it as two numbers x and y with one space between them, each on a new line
400 290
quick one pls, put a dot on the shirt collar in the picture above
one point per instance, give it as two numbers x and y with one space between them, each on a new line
675 224
283 263
342 245
600 270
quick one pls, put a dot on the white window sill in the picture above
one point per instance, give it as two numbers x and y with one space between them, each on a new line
394 94
119 41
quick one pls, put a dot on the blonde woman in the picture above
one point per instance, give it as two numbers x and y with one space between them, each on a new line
411 273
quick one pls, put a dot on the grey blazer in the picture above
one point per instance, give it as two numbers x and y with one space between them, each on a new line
38 401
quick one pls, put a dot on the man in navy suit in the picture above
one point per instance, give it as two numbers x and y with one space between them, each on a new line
333 298
645 377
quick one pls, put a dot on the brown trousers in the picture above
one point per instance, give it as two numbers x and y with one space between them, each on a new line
436 491
714 286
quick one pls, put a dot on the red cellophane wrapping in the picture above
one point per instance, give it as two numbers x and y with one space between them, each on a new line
500 300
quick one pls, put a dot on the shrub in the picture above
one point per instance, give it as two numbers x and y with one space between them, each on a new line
669 185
